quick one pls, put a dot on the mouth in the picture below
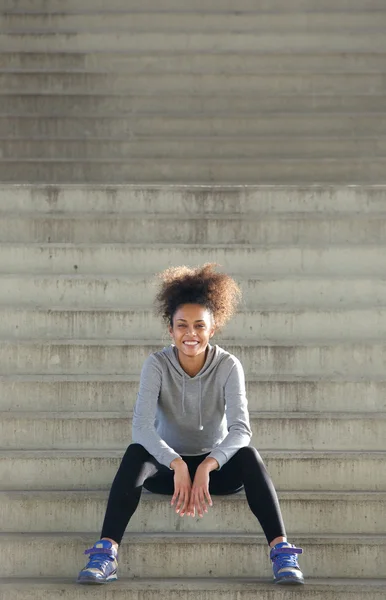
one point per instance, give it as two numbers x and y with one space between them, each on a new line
190 344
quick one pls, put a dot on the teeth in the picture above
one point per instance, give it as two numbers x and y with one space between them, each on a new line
190 343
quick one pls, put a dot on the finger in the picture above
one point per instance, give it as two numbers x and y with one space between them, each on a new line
190 506
191 509
183 501
174 498
208 497
186 504
198 505
204 508
180 501
203 500
193 500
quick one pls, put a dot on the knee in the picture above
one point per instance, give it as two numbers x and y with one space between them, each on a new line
135 452
249 455
247 451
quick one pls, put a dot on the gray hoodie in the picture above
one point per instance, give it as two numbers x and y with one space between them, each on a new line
176 414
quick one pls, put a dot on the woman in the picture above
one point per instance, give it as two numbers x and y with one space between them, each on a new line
191 428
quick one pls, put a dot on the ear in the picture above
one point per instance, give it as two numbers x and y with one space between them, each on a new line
170 330
212 331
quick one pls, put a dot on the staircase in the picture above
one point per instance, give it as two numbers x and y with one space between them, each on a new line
256 136
76 287
258 91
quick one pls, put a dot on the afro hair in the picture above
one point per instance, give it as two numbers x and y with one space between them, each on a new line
218 292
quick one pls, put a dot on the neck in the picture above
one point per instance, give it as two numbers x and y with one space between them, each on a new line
192 365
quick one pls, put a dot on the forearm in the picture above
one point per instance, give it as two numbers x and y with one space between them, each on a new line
208 463
154 444
177 463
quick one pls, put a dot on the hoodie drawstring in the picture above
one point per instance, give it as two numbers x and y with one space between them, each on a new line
183 395
200 394
201 427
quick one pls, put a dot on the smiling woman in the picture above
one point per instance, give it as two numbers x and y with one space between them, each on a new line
192 328
195 303
191 429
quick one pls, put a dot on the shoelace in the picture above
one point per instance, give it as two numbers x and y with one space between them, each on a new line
286 557
98 558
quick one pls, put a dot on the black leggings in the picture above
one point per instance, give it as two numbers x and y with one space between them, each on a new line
139 468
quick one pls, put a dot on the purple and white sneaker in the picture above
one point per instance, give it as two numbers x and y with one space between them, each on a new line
285 565
102 566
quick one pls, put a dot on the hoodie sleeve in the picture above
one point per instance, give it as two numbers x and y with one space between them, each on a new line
143 430
236 410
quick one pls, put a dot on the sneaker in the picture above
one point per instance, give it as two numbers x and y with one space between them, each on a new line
285 564
102 566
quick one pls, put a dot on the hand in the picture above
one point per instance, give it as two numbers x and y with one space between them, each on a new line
200 492
182 486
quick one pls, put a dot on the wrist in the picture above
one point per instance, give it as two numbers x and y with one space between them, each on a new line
178 463
210 464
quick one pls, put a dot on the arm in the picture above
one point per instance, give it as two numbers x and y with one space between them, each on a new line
143 430
236 408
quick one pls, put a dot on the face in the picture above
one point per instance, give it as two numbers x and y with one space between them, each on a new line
192 329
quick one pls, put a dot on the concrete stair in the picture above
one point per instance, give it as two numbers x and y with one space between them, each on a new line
72 511
293 470
192 554
200 589
290 93
76 287
269 92
106 430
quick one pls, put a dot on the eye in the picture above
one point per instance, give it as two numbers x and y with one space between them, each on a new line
181 325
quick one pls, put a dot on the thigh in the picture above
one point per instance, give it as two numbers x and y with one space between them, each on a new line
161 482
229 479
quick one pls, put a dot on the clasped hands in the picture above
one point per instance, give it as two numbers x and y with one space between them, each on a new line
189 497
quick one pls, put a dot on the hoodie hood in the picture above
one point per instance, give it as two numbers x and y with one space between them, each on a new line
213 358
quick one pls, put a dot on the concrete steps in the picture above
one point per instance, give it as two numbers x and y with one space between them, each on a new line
147 125
311 273
200 589
52 6
82 357
193 200
305 71
194 62
72 511
360 40
50 82
110 430
192 555
262 293
109 104
194 20
92 393
232 229
290 470
370 170
275 94
196 147
145 259
274 327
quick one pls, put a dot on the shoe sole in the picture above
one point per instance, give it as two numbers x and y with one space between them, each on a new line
91 581
289 581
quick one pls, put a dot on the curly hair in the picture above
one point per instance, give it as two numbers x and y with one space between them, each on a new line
218 292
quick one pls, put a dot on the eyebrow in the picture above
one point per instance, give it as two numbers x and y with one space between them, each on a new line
196 321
